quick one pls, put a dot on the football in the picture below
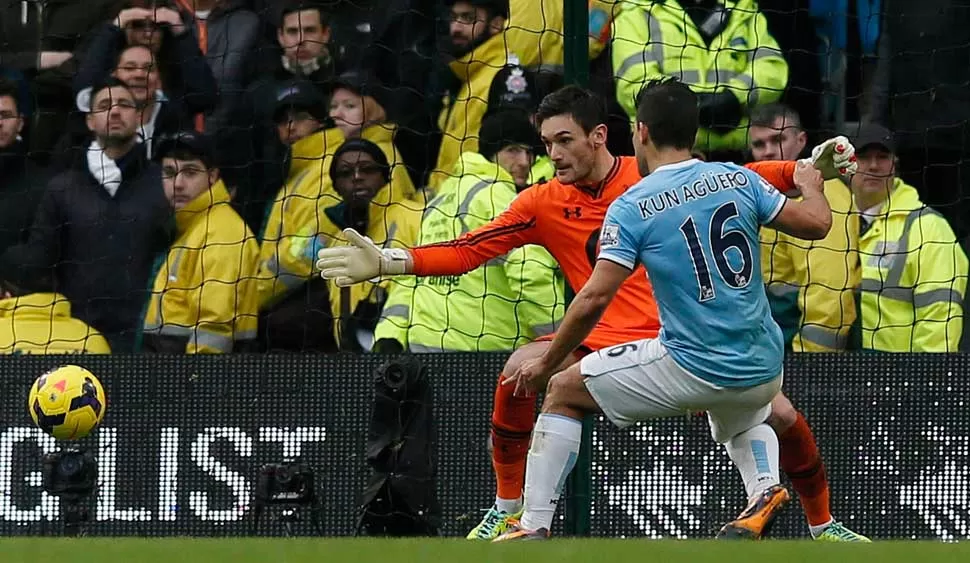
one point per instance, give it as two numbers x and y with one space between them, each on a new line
67 402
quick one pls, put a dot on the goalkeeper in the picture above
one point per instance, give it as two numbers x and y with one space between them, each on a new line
500 305
565 216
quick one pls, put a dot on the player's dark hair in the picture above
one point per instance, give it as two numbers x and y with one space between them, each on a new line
586 107
766 115
668 108
8 88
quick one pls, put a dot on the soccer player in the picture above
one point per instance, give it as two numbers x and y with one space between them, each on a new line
695 226
565 216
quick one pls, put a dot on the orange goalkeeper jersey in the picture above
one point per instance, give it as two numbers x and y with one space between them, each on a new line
566 220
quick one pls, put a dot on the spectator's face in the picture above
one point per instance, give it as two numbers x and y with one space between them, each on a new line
303 36
571 150
871 184
517 161
347 111
468 25
114 116
11 122
144 33
296 125
136 68
185 180
357 177
781 141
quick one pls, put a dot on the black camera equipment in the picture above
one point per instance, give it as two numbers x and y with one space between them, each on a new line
289 487
72 476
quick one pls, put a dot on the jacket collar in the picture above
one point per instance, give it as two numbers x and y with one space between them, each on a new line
311 150
489 55
198 208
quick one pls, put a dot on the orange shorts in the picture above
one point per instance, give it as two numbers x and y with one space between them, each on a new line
603 337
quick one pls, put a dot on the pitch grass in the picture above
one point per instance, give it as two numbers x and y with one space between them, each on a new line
303 550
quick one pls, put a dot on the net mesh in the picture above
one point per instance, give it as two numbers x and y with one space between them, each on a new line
169 169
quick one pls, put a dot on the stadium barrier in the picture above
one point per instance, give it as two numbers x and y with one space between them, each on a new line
184 438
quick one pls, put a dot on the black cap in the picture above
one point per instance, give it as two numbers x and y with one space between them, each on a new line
363 83
300 95
873 134
365 146
514 86
504 128
198 144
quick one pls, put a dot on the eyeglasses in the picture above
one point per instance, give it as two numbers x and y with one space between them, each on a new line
360 170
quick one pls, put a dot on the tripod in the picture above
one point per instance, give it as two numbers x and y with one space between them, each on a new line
290 513
75 515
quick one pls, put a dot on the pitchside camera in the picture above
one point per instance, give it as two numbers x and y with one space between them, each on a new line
69 473
285 483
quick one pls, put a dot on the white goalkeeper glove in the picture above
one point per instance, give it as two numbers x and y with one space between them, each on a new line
834 158
361 261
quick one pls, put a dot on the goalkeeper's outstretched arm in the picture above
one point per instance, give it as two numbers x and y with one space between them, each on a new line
363 260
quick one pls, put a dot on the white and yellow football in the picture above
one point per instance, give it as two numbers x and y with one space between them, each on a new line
67 402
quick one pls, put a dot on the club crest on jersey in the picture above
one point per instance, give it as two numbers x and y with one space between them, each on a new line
610 236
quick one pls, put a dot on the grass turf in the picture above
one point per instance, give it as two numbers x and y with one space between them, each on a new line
180 550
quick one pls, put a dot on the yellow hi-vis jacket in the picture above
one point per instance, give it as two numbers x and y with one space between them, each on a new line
914 278
41 323
206 289
390 224
656 39
296 205
461 118
498 306
811 285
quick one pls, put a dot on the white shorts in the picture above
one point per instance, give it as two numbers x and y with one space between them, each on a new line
640 381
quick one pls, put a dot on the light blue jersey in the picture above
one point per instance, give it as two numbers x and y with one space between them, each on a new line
694 226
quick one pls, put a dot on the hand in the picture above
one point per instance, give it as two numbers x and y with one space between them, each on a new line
171 18
529 378
807 178
361 261
835 158
53 59
129 15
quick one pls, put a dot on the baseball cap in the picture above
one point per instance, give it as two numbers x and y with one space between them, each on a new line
362 82
873 134
199 144
300 95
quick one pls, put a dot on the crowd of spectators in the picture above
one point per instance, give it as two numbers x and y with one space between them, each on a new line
170 168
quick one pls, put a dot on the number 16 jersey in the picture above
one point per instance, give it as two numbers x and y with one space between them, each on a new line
695 227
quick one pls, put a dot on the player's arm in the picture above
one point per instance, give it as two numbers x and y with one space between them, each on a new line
834 158
363 260
809 218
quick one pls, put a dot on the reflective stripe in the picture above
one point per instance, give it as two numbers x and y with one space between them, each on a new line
896 271
543 330
782 289
244 335
401 311
823 336
283 276
653 52
465 206
422 349
208 339
767 52
941 295
497 261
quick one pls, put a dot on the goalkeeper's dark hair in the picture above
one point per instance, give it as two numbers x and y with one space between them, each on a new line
585 107
668 108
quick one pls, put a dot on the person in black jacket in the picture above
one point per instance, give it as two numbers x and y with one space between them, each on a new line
99 225
21 181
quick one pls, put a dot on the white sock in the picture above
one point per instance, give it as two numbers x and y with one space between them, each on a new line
817 530
510 506
755 453
555 447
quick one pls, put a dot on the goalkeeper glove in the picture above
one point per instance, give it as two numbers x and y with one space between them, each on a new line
361 261
835 158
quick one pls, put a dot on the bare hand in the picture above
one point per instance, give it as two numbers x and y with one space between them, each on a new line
807 178
529 378
129 15
170 17
53 59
